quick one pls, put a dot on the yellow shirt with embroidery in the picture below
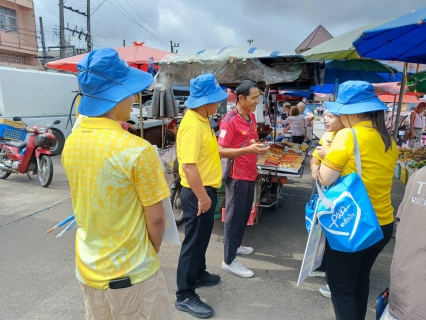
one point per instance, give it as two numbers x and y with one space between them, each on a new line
197 143
377 165
323 141
112 175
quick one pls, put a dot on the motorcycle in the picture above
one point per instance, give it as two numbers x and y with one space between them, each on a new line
28 156
175 190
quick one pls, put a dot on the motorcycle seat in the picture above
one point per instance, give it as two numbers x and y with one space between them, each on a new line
14 143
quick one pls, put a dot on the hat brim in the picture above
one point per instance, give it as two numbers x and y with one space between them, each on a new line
365 106
217 96
137 81
333 107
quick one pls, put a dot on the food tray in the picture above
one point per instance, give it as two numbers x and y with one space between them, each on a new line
280 169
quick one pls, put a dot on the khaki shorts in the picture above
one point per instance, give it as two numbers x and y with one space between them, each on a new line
147 300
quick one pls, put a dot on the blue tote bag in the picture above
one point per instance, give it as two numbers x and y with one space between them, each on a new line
346 214
310 209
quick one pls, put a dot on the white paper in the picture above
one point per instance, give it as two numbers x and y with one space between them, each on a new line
170 233
314 251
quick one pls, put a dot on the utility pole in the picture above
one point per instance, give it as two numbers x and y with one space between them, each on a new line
172 46
61 29
89 37
43 43
250 41
124 43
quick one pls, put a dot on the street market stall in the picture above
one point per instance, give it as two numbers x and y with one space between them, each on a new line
270 70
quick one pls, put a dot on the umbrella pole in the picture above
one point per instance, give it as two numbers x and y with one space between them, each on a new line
393 113
162 133
141 114
401 95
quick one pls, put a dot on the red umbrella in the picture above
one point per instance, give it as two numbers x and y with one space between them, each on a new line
136 56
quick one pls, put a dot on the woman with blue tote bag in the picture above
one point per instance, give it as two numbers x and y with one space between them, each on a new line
362 113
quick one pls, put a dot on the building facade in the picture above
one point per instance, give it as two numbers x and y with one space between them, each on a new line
18 35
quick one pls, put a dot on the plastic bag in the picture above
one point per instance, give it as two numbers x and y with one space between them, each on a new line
167 159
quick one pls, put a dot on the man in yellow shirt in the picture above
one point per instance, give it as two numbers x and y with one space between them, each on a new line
201 174
117 185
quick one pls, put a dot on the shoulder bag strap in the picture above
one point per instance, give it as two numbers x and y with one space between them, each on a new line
325 201
357 154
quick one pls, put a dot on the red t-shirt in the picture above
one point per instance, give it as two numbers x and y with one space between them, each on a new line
234 131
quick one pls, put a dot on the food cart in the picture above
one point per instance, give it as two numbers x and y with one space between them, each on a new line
270 70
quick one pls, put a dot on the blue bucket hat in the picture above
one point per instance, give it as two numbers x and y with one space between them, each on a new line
334 109
204 90
105 80
356 97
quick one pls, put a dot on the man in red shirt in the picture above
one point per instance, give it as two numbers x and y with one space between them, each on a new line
237 139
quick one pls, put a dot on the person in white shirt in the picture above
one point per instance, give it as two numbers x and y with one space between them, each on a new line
417 124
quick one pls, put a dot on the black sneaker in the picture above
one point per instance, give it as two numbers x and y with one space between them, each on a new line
195 307
207 280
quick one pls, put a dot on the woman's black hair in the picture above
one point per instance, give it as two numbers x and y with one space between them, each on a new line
378 119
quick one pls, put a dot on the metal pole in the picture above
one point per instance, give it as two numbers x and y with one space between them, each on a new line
43 43
61 29
89 37
393 113
124 43
171 46
141 114
401 95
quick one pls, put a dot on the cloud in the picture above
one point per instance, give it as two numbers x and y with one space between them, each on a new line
196 25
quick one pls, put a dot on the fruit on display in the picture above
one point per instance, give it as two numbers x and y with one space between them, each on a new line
414 159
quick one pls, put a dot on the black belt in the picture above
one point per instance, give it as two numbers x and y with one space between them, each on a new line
205 187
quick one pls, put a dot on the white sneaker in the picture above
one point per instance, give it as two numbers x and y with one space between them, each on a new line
244 250
325 291
317 274
238 269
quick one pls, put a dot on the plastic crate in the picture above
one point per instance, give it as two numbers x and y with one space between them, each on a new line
8 132
404 175
397 171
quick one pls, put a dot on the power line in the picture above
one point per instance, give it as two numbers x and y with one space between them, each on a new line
134 21
165 38
97 7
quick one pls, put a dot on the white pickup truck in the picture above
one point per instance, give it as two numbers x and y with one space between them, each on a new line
39 98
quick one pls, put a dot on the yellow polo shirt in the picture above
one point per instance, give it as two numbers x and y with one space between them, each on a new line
197 143
323 141
377 165
112 175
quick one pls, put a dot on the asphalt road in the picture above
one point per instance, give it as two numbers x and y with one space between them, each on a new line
37 270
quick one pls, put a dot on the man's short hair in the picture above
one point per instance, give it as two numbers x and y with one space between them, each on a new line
244 88
300 105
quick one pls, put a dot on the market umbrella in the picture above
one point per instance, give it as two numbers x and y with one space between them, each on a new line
337 72
163 106
136 56
417 82
402 39
337 48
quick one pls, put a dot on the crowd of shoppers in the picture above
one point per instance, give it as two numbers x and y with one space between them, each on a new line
117 195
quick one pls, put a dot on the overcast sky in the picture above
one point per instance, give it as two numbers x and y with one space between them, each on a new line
205 24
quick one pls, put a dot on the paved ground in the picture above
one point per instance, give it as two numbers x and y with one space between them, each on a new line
37 270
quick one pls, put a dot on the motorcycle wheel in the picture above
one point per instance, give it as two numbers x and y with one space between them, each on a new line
4 173
45 174
177 205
